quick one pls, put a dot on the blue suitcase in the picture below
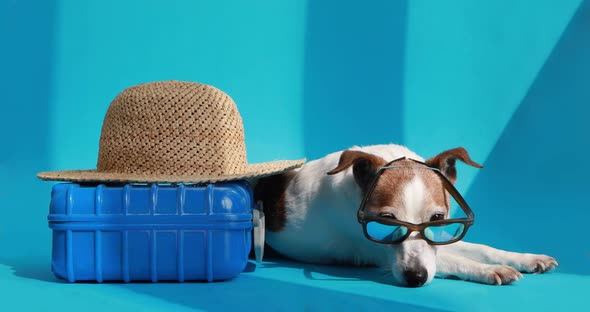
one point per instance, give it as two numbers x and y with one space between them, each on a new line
150 232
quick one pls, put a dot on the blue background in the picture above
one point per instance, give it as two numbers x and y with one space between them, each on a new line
506 79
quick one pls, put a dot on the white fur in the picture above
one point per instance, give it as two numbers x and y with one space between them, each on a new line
414 195
321 227
321 224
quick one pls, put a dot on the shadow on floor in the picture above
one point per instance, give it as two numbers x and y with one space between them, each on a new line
248 292
335 272
37 270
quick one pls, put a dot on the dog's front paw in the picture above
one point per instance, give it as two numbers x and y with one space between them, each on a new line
499 275
531 263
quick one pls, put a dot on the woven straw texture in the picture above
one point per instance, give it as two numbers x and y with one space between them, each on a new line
172 131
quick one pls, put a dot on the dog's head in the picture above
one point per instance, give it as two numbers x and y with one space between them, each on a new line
407 194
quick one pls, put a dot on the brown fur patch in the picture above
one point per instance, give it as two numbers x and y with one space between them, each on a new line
389 191
271 191
364 166
349 157
445 161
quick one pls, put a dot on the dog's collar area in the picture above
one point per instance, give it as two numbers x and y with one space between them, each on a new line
433 231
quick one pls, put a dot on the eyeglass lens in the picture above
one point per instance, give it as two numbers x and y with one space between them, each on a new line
435 233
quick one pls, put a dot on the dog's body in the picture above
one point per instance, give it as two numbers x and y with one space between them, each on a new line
311 217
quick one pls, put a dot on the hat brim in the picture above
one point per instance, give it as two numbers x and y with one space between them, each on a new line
252 171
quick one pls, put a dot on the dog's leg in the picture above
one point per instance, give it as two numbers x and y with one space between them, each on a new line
523 262
449 265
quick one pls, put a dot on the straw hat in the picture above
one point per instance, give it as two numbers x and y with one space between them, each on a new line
172 131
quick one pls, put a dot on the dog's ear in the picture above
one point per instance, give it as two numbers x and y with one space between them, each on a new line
364 166
445 162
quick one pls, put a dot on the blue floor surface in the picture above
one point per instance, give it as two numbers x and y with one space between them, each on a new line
287 286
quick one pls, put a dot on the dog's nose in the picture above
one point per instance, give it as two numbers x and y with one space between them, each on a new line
416 277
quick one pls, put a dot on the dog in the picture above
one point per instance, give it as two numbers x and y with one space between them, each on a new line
311 216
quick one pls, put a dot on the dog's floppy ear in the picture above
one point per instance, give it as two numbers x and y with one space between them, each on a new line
445 162
364 166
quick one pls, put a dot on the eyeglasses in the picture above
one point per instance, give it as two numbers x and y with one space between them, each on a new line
390 231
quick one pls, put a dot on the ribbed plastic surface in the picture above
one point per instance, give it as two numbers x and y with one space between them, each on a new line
150 232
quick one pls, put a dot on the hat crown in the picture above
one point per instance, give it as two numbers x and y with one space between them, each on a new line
173 128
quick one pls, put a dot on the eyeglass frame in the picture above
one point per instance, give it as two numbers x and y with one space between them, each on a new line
467 222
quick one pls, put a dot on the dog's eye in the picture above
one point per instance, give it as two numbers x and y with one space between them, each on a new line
387 215
437 216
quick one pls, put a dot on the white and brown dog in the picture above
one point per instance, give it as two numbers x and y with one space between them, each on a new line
311 216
